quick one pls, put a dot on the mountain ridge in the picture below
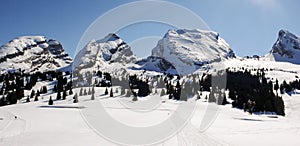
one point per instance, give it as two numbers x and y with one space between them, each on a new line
33 53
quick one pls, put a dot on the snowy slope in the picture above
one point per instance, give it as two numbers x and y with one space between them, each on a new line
286 48
33 53
63 123
188 50
274 70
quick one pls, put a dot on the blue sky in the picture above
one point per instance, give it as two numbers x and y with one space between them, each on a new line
249 26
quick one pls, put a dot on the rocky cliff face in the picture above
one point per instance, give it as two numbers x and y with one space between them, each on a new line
111 49
33 53
286 48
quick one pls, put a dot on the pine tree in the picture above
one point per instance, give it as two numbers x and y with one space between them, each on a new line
111 93
106 91
28 99
41 90
276 86
134 98
58 96
70 91
50 101
128 93
163 92
224 100
80 92
45 90
280 106
36 98
84 92
64 95
75 98
198 97
55 88
89 92
122 91
38 93
93 89
93 96
32 94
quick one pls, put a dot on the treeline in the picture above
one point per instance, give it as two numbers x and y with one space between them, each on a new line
14 83
254 93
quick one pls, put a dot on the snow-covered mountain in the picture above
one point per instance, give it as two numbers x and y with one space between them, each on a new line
33 53
286 48
100 53
188 50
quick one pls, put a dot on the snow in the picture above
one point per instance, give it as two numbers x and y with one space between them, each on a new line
34 57
286 48
276 70
189 49
64 123
67 123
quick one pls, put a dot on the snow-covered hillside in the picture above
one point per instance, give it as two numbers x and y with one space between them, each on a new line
63 123
188 50
286 48
33 53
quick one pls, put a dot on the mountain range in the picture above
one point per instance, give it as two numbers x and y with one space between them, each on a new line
179 51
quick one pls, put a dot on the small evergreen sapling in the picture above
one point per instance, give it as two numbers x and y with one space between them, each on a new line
36 98
50 101
80 92
111 93
106 91
58 96
28 99
75 98
64 95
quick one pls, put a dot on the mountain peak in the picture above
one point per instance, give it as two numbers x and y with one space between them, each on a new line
286 48
188 50
33 53
108 50
111 37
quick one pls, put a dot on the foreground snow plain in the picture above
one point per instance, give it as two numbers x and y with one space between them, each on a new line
64 123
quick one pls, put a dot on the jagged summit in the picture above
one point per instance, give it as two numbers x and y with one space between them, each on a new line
105 51
188 50
286 48
33 53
